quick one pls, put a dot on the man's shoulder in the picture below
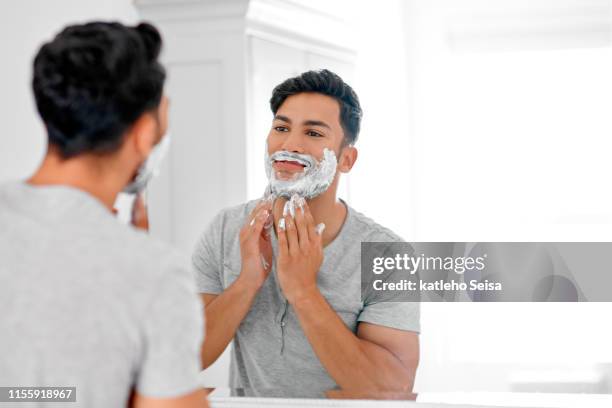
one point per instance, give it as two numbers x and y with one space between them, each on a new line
370 230
232 218
141 255
219 242
150 246
221 232
98 241
147 264
240 211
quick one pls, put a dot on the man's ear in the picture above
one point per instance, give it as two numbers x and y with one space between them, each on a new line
348 157
143 134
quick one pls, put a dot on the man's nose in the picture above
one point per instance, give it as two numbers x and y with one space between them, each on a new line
293 143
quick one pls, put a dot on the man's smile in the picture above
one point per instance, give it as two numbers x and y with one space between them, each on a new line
288 166
292 173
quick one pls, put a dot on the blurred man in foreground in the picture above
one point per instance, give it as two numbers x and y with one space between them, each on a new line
88 302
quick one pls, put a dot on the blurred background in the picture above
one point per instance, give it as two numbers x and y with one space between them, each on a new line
484 120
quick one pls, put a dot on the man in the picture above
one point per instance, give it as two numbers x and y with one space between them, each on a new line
86 301
281 277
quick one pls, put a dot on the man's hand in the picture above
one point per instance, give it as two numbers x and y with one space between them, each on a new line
300 251
255 247
140 214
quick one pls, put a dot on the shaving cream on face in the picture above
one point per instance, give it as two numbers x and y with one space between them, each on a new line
150 167
313 181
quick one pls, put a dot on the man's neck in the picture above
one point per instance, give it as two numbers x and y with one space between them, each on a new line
326 208
83 173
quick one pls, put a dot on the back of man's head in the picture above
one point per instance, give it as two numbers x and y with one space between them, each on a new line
93 81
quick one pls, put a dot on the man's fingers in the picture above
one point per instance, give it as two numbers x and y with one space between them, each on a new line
310 224
261 205
302 225
281 233
293 243
319 229
251 218
265 264
261 218
140 217
256 226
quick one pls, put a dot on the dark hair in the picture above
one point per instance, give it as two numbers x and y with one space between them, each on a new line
327 83
92 81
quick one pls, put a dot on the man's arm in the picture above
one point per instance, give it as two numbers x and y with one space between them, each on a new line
377 358
225 311
196 399
167 374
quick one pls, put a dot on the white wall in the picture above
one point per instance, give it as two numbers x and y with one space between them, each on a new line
381 180
509 133
24 26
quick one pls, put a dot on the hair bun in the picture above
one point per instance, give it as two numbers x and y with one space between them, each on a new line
151 39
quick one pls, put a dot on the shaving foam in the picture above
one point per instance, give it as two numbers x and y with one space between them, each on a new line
313 181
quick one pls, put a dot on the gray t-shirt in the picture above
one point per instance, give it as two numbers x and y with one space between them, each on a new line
271 355
90 303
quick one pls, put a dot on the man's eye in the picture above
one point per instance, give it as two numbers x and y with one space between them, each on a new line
314 134
281 129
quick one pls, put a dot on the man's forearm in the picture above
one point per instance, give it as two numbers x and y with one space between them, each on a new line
352 362
223 317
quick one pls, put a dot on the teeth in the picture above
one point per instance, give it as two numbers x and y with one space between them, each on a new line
292 161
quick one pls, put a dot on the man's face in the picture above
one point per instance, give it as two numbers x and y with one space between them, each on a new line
305 147
306 123
152 144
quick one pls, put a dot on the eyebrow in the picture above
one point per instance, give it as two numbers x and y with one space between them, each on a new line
282 118
306 123
316 123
